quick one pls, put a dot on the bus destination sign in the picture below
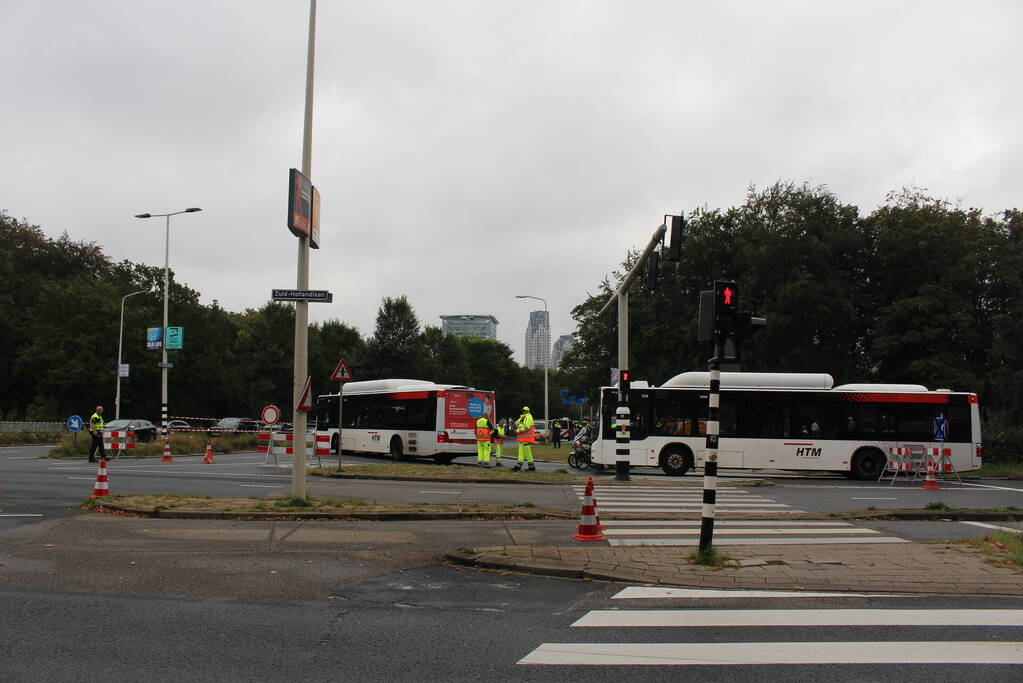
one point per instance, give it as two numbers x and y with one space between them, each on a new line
320 295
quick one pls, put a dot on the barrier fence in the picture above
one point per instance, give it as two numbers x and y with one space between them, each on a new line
37 426
313 442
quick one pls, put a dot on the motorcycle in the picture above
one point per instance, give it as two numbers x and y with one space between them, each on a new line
579 455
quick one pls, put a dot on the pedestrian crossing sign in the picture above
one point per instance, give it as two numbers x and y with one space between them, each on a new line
940 429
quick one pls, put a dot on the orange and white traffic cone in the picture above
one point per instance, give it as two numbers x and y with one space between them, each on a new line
587 530
596 514
208 460
101 488
166 451
930 483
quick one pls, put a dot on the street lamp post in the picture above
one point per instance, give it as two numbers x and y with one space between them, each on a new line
166 284
546 354
120 345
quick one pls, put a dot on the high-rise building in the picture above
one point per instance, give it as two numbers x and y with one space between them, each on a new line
538 339
482 326
561 347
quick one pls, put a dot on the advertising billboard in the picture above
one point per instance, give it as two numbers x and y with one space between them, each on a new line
154 338
300 204
463 408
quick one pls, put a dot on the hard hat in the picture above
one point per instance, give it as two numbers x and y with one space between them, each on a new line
525 409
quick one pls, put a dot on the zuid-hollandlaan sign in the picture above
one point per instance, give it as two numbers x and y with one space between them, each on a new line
316 295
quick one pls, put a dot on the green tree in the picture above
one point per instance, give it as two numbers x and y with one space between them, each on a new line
395 349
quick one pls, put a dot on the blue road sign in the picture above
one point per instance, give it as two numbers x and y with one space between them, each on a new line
74 423
940 429
475 407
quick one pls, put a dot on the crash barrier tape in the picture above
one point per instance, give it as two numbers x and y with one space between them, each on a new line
270 438
119 441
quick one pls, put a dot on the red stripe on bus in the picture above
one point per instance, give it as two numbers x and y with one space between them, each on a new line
410 394
860 397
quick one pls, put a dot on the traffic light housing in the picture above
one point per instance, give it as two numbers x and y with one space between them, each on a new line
678 226
623 381
726 306
652 263
746 325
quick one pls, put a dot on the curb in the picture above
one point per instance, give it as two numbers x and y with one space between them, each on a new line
368 516
445 480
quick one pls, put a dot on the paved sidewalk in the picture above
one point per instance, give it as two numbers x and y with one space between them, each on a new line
950 569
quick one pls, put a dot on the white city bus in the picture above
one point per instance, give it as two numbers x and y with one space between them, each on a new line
404 418
789 421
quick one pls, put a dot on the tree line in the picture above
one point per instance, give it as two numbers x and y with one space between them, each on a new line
917 291
60 306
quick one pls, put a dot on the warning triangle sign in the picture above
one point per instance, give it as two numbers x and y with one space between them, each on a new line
305 404
342 373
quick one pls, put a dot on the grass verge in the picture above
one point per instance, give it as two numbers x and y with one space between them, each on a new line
181 444
256 506
28 438
1004 549
430 471
1008 470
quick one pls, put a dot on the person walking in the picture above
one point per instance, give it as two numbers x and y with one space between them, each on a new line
96 426
497 439
556 434
526 436
483 442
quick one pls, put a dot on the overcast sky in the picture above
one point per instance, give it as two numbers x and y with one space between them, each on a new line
466 152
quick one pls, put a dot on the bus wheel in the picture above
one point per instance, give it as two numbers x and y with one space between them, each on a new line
443 459
676 460
868 464
335 445
396 452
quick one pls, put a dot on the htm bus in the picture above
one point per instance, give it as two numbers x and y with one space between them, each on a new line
788 421
404 418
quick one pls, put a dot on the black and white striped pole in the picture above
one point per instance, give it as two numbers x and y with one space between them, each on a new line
710 460
623 420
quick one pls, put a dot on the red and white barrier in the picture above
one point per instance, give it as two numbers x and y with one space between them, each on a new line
268 441
119 441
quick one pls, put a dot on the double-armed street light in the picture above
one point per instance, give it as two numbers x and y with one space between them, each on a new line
546 354
166 280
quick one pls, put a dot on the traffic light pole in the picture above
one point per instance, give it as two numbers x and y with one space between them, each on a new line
710 461
622 413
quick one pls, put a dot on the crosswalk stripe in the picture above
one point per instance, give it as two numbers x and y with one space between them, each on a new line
692 654
664 593
612 490
724 522
604 504
773 511
753 541
734 532
800 617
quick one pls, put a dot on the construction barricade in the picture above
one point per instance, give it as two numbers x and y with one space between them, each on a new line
278 443
117 442
939 463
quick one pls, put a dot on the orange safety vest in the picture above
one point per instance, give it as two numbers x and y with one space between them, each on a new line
483 433
528 436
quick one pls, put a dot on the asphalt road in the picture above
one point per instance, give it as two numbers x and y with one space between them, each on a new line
439 624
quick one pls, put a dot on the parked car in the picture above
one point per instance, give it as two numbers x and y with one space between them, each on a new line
145 431
234 424
178 424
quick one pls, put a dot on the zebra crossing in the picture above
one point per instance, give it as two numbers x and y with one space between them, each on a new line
727 532
994 634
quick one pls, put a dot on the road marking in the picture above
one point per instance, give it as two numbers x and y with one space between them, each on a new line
800 617
995 526
736 532
691 654
18 515
873 499
650 592
83 478
721 522
24 457
988 486
752 541
261 486
601 503
445 491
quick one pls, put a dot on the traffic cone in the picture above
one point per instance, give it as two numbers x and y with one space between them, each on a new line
587 530
101 488
166 451
596 514
208 460
930 483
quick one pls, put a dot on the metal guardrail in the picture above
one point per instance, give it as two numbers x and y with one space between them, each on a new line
40 426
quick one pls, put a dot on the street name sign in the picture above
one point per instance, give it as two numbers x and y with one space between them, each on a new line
314 295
